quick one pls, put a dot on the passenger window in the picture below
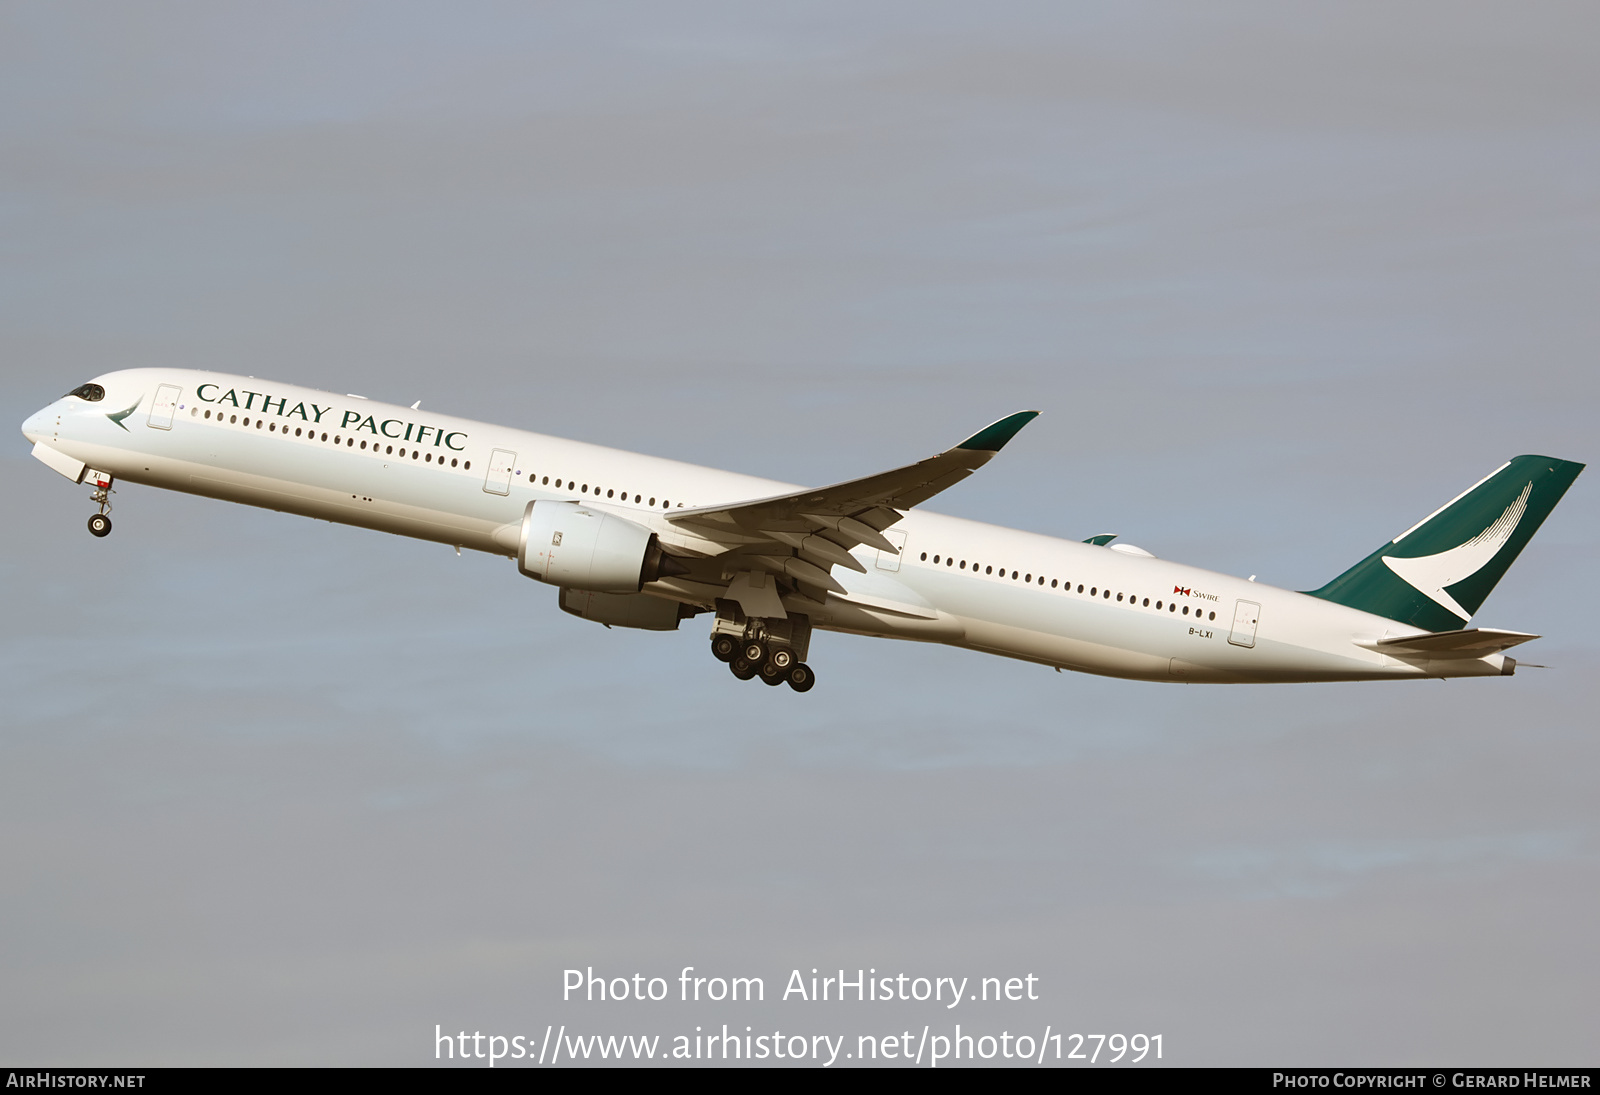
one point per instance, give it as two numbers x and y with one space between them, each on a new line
1147 602
1186 610
1094 591
924 556
1212 616
936 559
1119 598
467 466
1052 583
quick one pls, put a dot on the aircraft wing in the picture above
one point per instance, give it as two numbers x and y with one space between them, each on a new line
1473 642
806 533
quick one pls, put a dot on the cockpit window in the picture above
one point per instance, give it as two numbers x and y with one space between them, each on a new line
92 393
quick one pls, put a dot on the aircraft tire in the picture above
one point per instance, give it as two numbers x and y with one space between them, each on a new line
800 677
754 651
772 674
724 648
743 668
782 657
100 525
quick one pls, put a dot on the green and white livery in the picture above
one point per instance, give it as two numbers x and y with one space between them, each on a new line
638 541
1437 573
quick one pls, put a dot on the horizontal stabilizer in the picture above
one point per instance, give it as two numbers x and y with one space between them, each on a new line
1473 642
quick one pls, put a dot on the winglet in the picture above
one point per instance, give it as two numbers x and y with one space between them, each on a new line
993 438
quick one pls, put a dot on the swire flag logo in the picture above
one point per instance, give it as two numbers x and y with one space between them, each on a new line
1180 589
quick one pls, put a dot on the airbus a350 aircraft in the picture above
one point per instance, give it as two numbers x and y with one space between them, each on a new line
638 541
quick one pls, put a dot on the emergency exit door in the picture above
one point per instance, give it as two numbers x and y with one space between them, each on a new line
498 480
890 560
1246 615
166 403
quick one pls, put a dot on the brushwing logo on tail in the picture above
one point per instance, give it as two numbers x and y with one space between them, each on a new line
1430 574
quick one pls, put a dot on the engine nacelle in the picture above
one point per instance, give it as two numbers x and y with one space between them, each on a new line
624 609
567 544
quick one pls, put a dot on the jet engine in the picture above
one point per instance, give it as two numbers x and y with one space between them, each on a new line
571 545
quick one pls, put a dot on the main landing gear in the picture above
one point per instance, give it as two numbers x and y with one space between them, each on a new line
100 524
767 648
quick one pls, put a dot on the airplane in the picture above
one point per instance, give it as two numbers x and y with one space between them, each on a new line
639 541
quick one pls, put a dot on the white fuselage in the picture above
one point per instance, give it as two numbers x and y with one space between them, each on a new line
417 473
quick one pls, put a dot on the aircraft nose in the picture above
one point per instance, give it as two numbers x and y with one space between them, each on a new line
34 428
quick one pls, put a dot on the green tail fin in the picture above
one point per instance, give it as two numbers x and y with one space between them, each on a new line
1437 573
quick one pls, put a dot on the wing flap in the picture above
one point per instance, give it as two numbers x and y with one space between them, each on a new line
782 533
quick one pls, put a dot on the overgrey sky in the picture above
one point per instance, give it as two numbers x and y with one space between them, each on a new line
1281 280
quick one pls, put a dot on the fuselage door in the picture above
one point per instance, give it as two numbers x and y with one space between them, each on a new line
165 405
1246 614
887 561
498 481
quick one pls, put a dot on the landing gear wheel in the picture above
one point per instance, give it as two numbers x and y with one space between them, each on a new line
782 657
801 678
100 524
743 668
771 674
754 651
724 648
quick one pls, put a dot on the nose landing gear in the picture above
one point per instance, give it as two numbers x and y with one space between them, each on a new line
100 524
